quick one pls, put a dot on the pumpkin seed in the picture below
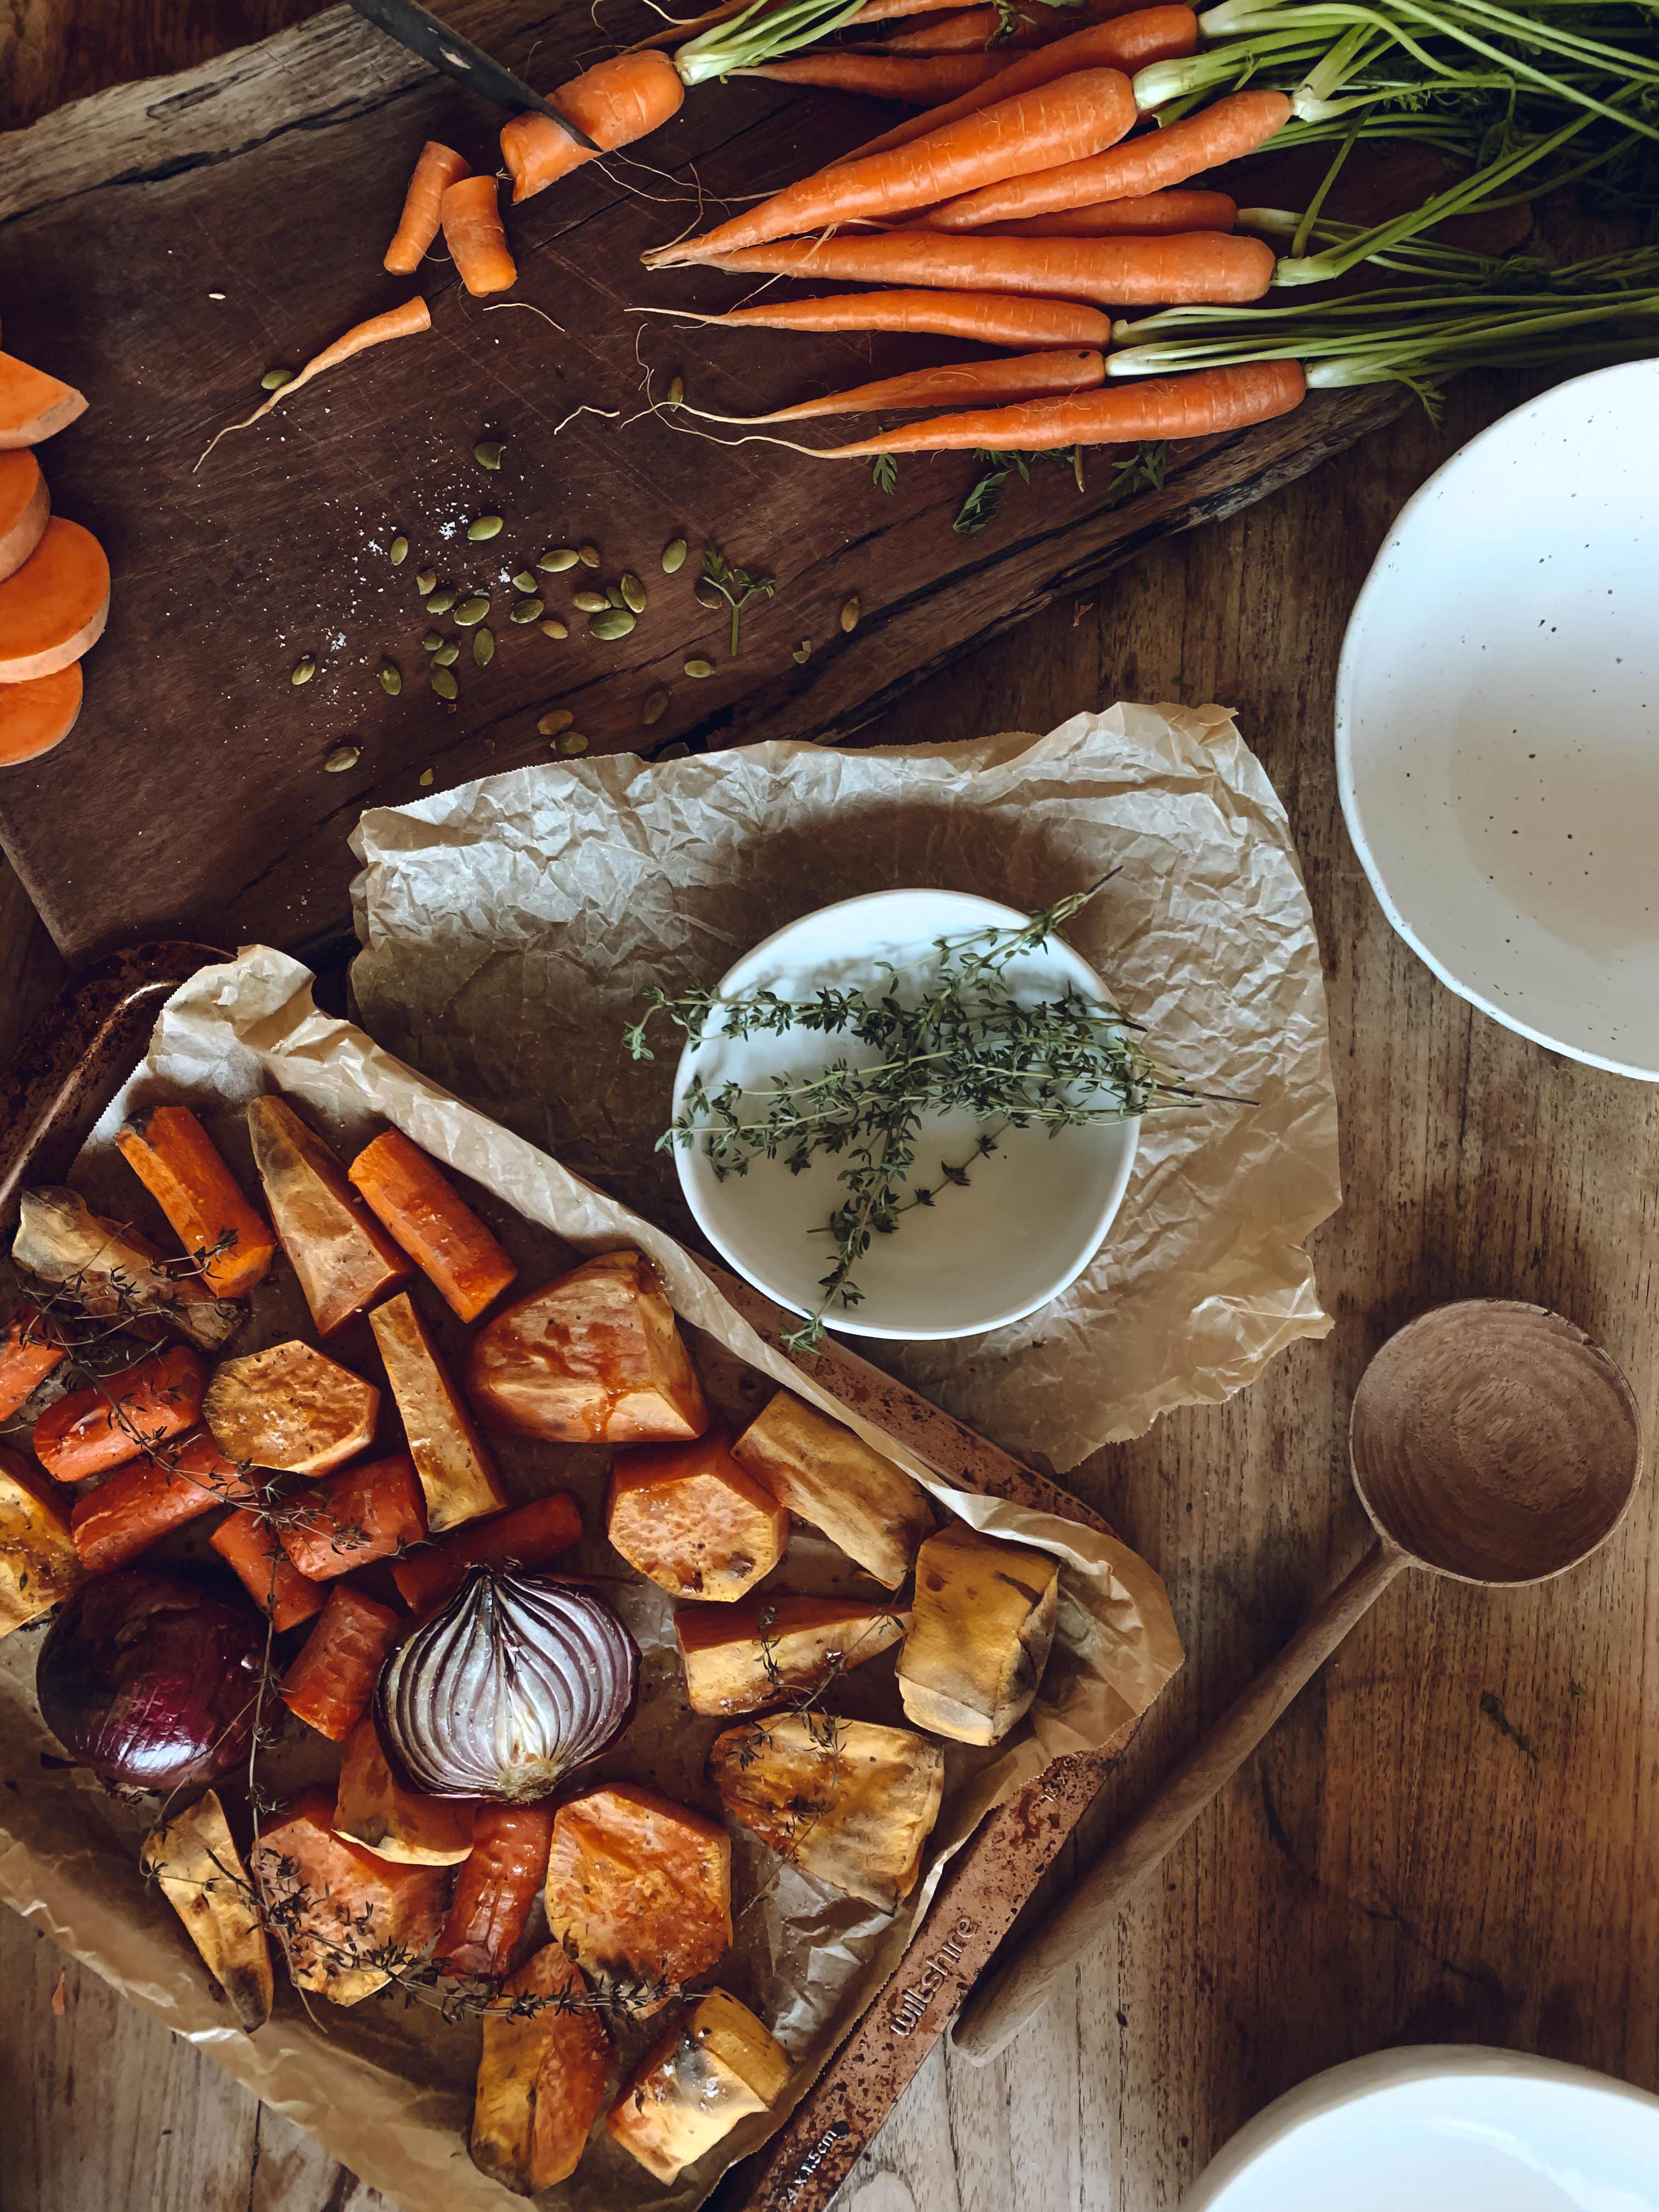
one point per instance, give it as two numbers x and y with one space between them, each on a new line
615 622
616 597
655 707
426 777
706 595
673 556
633 591
439 603
588 556
391 678
850 613
432 641
486 527
304 669
590 603
572 743
676 391
527 610
489 454
471 611
275 379
447 655
426 579
561 558
551 725
342 758
554 628
524 582
397 553
698 666
444 683
483 646
803 652
676 750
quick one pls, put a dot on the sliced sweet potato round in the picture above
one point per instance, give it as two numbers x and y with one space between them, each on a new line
694 1520
25 509
54 608
34 405
639 1890
37 716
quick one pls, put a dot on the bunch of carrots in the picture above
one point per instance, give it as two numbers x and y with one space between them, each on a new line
54 578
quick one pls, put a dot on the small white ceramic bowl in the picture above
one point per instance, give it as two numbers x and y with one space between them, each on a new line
1444 2127
1033 1215
1498 720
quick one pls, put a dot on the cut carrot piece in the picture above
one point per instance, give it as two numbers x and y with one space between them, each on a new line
344 1260
38 715
248 1544
28 1354
25 509
334 1905
530 1535
456 1470
693 1520
372 1808
114 1420
329 1684
171 1155
615 103
34 405
476 240
427 1216
365 1513
53 609
497 1887
142 1501
438 168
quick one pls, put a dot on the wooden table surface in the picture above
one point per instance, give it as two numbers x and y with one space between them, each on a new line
1453 1834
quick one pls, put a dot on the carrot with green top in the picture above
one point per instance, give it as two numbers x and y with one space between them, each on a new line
995 318
913 80
615 103
438 168
1154 214
990 383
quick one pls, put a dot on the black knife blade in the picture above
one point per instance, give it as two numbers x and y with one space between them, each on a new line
435 42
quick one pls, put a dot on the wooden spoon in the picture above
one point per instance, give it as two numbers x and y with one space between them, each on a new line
1490 1442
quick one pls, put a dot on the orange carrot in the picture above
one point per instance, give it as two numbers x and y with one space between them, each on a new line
433 1223
28 1352
1010 139
363 1513
329 1684
1009 378
915 80
987 318
529 1535
248 1544
1154 215
1037 24
438 168
1133 271
1224 131
476 240
171 1154
54 607
1208 403
34 405
497 1886
40 714
404 322
615 102
25 509
886 11
120 1416
142 1501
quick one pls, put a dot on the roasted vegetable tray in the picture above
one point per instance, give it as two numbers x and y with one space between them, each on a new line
75 1062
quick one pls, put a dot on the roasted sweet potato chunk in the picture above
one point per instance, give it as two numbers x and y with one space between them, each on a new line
113 1271
39 1567
847 1801
456 1470
541 2079
639 1891
336 1908
875 1511
28 1352
290 1406
344 1260
981 1626
593 1357
718 2066
173 1156
371 1809
195 1859
740 1657
688 1516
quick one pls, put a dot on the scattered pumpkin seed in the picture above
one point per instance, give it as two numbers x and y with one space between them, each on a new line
850 613
590 603
440 603
588 556
391 678
803 652
447 655
698 666
572 743
706 595
561 558
551 725
304 669
615 622
426 579
552 627
633 591
486 526
489 454
471 611
444 683
426 777
275 379
527 610
397 553
655 707
432 641
676 391
673 556
614 596
524 582
676 750
342 758
483 646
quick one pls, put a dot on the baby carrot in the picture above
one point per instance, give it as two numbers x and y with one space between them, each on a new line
1002 381
404 322
427 1216
171 1155
248 1544
915 80
28 1352
987 318
1196 267
438 168
1154 215
473 234
615 103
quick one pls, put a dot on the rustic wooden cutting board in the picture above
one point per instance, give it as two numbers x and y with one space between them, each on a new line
162 245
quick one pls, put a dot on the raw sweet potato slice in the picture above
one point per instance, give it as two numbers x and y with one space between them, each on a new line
688 1516
248 1544
875 1511
37 716
292 1407
639 1892
363 1514
719 2065
195 1859
541 2079
457 1471
25 506
34 405
496 1889
53 609
112 1272
329 1684
173 1156
529 1536
981 1626
344 1260
105 1423
371 1809
147 1499
738 1658
593 1357
39 1567
29 1353
333 1906
433 1223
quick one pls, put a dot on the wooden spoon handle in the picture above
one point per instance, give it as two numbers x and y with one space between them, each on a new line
1003 2002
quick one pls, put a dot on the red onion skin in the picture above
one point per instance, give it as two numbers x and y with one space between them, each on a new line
150 1677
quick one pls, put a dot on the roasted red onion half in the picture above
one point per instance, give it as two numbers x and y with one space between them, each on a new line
518 1678
151 1677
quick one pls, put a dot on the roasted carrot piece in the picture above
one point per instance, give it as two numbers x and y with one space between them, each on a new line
995 319
530 1535
1003 381
173 1156
405 322
329 1684
615 103
437 168
1128 271
54 607
142 1501
914 80
34 405
427 1216
36 715
120 1416
29 1353
497 1887
248 1544
25 509
363 1513
476 240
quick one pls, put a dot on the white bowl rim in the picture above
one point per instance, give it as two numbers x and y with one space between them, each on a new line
1344 773
1106 1214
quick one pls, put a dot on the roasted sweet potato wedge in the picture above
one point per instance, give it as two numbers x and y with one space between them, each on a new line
344 1260
290 1406
981 1626
541 2078
691 1518
335 1908
593 1357
29 1351
719 2065
875 1511
740 1657
456 1470
112 1272
202 1878
639 1892
39 1567
371 1809
178 1165
847 1801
